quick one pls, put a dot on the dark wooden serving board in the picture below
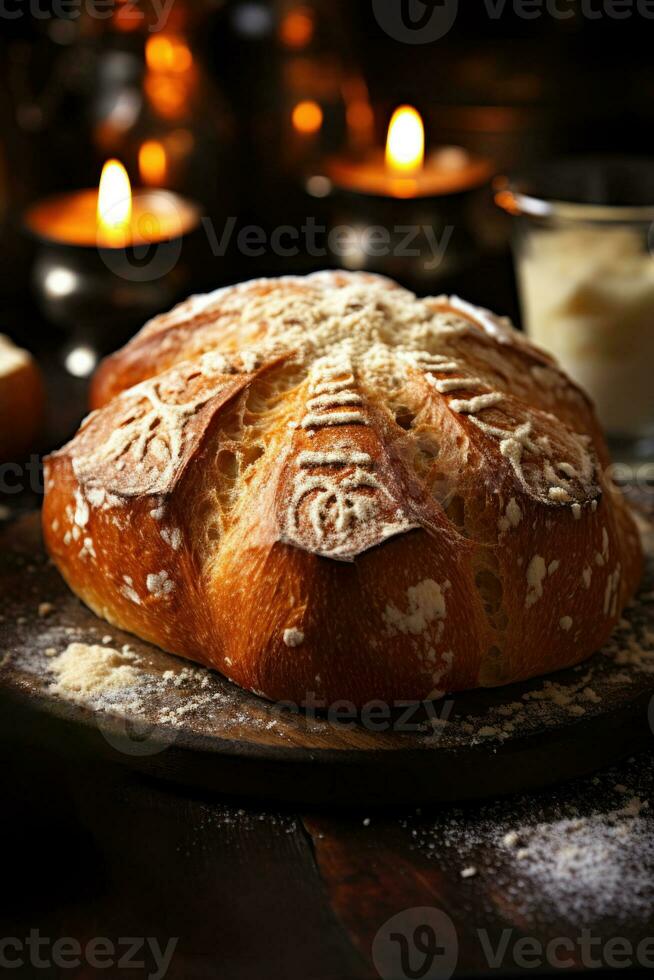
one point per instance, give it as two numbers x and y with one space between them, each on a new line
194 727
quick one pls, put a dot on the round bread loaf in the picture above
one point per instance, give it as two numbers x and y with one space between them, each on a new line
327 488
21 401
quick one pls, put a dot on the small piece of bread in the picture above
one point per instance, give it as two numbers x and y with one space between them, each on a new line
327 486
21 401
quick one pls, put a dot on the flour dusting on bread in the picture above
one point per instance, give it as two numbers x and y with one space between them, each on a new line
409 479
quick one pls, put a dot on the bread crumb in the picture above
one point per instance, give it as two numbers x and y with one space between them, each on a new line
45 609
468 872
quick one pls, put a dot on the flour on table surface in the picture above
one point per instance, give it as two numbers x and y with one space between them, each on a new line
575 855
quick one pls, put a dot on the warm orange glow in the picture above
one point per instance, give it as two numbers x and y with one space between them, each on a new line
307 117
179 143
127 18
360 118
405 146
170 78
167 53
152 163
169 95
114 207
358 113
296 29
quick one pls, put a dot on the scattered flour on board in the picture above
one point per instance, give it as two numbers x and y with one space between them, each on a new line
83 670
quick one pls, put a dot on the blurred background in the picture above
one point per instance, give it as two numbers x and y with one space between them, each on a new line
243 107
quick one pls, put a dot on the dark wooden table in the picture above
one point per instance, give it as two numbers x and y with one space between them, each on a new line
247 892
92 849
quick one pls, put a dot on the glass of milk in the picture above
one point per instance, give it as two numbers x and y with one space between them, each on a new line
584 254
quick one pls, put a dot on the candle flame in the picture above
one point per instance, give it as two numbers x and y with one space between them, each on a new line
405 146
152 163
114 209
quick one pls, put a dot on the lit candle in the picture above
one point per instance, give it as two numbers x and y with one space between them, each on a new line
113 212
109 258
403 171
113 216
405 143
402 211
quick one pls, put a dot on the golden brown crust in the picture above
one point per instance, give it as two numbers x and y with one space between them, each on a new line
22 401
327 487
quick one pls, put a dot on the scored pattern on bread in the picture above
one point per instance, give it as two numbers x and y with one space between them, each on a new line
142 441
325 483
341 493
561 468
